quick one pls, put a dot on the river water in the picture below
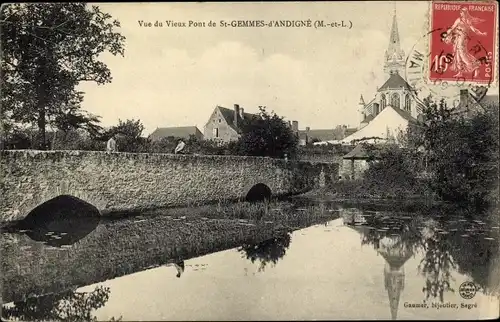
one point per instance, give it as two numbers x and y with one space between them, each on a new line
284 261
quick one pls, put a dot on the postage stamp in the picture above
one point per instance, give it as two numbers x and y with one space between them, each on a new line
463 41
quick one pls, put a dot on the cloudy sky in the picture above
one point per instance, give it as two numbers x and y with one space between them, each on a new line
176 76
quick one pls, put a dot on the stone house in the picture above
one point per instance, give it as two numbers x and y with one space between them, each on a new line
224 124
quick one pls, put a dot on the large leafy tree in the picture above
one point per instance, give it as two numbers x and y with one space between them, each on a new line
129 136
267 135
47 49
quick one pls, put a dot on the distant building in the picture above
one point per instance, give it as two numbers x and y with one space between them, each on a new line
395 94
356 162
308 136
475 102
183 132
224 124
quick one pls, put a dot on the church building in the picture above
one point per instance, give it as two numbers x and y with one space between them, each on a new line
395 104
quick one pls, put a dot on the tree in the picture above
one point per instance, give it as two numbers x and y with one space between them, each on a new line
267 135
65 306
47 50
460 152
129 136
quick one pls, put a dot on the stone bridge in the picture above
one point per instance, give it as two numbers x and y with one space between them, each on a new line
116 182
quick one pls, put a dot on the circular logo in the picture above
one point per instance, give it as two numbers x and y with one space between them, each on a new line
467 290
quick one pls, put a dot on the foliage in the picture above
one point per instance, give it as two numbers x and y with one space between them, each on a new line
452 156
66 306
392 168
461 153
129 136
268 135
47 50
268 251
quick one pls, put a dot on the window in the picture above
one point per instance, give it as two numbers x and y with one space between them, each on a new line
216 133
407 102
383 102
395 100
219 120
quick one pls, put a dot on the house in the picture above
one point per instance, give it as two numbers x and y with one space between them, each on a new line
472 102
183 132
224 124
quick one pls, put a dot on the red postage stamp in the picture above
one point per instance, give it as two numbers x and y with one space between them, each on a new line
463 41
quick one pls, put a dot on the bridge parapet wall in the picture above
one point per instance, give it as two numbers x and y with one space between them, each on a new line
134 181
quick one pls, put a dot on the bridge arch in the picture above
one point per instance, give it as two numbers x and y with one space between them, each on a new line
258 192
61 207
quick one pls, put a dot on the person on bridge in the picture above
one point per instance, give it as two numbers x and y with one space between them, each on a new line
111 145
180 147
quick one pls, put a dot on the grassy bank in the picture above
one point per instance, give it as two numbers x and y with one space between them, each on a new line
359 192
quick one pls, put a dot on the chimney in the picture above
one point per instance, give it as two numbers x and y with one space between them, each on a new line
242 113
289 124
307 129
464 98
295 126
236 113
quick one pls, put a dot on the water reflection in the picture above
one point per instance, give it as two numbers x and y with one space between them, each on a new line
32 266
65 306
268 251
61 221
375 259
441 241
179 266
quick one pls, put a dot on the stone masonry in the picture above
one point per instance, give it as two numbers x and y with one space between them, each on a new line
135 181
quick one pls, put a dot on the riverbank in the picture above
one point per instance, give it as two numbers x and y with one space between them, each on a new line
356 193
418 199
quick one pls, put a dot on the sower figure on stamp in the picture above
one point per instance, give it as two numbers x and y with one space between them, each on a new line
111 144
458 36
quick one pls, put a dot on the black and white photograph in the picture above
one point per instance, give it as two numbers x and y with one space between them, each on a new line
249 161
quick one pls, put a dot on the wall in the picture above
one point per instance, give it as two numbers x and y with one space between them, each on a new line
353 168
135 181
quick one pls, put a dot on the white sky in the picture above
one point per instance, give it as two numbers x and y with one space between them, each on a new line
176 76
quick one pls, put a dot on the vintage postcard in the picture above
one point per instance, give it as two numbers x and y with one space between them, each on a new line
230 161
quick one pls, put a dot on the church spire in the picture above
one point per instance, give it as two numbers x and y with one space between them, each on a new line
394 56
395 254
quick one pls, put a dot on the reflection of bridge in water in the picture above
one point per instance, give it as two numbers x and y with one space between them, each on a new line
394 251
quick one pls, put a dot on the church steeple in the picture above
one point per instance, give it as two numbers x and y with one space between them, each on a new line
395 254
394 55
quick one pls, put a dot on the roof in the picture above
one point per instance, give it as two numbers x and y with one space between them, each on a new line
404 114
395 81
360 152
471 103
350 131
368 118
228 115
489 101
321 134
177 132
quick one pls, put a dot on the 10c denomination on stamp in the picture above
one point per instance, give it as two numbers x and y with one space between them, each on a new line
463 42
